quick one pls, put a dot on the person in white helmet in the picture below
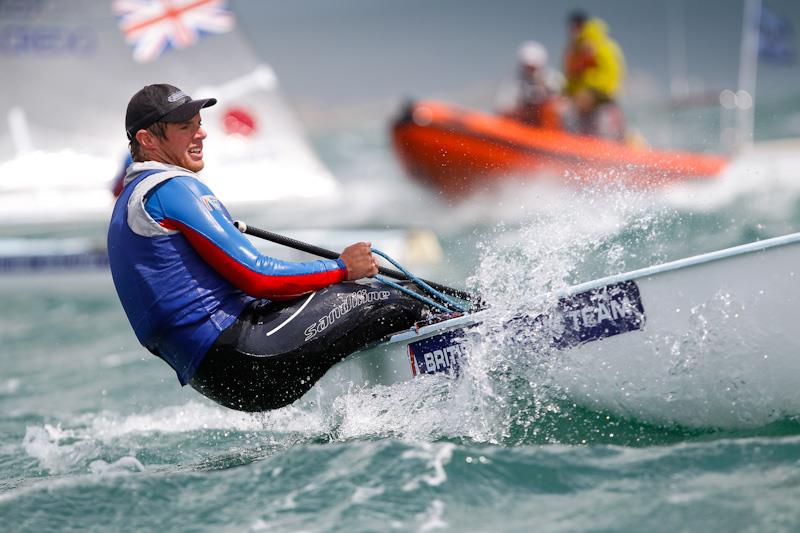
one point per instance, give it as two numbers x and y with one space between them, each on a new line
537 102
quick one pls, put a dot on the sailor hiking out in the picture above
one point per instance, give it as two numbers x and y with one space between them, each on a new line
249 331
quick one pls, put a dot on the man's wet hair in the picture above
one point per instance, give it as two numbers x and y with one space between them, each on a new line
159 129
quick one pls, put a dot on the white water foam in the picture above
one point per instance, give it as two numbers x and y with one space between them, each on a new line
764 178
83 442
436 457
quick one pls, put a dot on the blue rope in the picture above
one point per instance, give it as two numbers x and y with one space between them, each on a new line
421 283
413 294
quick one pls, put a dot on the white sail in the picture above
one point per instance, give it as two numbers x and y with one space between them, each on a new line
68 73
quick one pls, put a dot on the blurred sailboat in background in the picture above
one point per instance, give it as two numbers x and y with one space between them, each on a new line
70 67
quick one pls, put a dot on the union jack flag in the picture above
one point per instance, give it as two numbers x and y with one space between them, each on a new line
153 26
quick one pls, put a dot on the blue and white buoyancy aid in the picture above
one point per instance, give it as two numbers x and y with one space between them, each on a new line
182 270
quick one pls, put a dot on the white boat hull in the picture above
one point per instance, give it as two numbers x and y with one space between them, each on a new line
704 341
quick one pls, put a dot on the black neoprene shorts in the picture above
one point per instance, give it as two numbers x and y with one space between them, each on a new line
276 351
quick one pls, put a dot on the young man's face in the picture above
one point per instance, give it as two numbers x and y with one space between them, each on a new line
183 144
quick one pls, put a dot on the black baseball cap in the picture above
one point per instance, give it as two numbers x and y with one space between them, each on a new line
161 103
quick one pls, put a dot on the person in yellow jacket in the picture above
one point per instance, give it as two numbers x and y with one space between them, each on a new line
594 69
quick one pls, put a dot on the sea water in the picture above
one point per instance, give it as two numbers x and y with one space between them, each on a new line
96 433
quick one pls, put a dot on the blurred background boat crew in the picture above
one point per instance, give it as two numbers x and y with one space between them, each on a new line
594 68
538 101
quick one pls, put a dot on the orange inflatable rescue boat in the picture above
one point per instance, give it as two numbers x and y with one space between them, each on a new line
458 151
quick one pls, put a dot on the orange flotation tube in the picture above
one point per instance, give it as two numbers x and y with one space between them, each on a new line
458 150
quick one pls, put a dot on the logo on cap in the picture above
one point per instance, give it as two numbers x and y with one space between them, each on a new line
174 97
